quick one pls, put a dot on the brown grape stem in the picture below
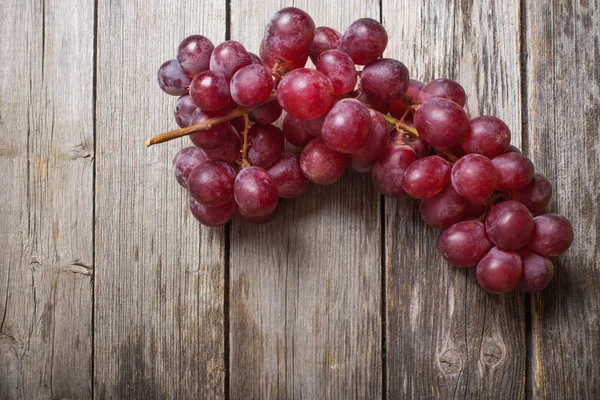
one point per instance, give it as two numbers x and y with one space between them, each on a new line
204 125
247 125
400 125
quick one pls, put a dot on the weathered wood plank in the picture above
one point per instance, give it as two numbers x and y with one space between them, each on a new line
305 287
446 337
563 90
46 202
159 277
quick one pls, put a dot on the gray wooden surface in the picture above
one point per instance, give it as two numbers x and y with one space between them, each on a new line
110 289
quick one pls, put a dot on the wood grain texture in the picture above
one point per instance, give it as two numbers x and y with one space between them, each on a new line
563 91
446 338
46 201
159 276
305 287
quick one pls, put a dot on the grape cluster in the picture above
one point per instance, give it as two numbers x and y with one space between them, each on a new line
414 139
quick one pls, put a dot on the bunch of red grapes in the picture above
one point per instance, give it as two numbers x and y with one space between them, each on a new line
414 139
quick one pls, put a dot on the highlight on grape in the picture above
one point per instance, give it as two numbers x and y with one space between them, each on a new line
414 138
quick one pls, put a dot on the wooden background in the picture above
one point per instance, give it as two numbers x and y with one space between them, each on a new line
110 289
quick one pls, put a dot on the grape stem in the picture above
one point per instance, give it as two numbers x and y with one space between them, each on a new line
244 151
207 124
400 125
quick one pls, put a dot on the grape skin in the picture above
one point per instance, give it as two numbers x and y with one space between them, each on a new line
536 195
288 176
442 123
339 68
266 114
347 126
211 183
172 80
326 38
488 136
255 192
552 235
186 160
210 91
509 225
499 271
444 88
251 85
322 165
386 79
464 244
444 209
265 145
515 171
305 93
296 131
388 171
426 177
363 159
365 41
229 57
213 216
183 110
538 271
229 152
193 54
474 177
211 138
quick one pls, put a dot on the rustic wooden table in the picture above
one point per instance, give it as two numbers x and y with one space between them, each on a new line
110 289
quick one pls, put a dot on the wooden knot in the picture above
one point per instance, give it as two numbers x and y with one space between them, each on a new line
492 353
450 362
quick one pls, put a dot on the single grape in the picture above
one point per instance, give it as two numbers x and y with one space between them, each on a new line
552 235
255 192
184 108
265 145
426 177
444 209
288 36
488 136
474 177
363 159
210 138
251 85
374 103
325 39
278 65
266 114
538 271
386 79
388 171
229 57
256 59
296 131
322 165
464 244
186 161
365 41
305 93
536 195
288 176
499 271
213 216
509 225
347 126
193 55
442 123
515 171
444 88
210 91
339 68
413 91
229 152
172 80
211 183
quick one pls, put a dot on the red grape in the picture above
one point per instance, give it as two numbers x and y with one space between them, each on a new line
465 243
444 209
296 131
255 192
325 39
322 165
538 271
209 138
552 235
536 195
474 177
256 59
347 126
512 149
386 79
172 80
288 176
363 159
186 161
373 102
184 108
475 208
265 145
210 91
229 57
288 37
442 123
388 171
509 225
213 216
193 54
339 68
305 93
426 177
499 271
488 136
421 148
251 85
365 41
515 171
229 152
266 114
444 88
211 183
